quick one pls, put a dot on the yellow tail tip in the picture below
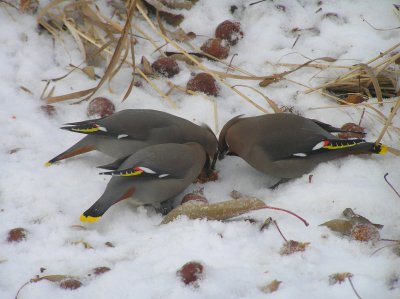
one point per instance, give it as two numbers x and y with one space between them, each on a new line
89 219
47 164
383 149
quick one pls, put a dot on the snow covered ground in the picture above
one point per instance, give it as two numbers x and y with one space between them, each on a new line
238 259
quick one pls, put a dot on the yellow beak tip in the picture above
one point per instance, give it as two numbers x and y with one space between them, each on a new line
47 164
89 219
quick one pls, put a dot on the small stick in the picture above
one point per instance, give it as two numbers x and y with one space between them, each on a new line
295 42
257 2
391 186
383 247
352 286
390 240
379 29
279 230
362 116
12 5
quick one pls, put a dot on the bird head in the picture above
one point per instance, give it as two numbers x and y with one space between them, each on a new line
223 146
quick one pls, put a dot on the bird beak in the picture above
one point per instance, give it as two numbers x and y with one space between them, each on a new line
214 161
222 154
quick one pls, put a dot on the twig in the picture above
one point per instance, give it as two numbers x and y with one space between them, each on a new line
257 2
383 247
295 42
279 230
354 289
12 5
391 186
379 29
362 116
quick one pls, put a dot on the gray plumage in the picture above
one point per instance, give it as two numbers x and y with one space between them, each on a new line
127 131
287 146
152 176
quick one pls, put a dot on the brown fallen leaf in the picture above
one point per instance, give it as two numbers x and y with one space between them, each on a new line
356 226
223 210
89 71
217 211
147 69
292 246
356 218
85 244
100 270
353 131
339 277
365 232
339 225
353 99
271 287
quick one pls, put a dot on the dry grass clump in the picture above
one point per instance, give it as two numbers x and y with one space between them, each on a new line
111 41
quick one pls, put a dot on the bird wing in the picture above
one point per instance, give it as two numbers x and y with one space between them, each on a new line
325 146
134 125
114 165
138 171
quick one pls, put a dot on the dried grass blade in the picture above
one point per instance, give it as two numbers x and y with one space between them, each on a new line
215 108
117 52
388 121
128 92
144 76
40 17
374 81
273 105
269 79
78 66
71 27
190 57
122 61
70 96
394 151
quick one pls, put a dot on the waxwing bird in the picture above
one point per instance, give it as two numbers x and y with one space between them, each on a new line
287 146
152 175
123 133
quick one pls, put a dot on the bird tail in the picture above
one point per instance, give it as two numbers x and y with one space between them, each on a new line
112 195
81 147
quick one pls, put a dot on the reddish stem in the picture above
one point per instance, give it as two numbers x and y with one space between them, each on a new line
287 211
279 230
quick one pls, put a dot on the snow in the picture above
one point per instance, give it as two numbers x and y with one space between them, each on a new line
238 258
